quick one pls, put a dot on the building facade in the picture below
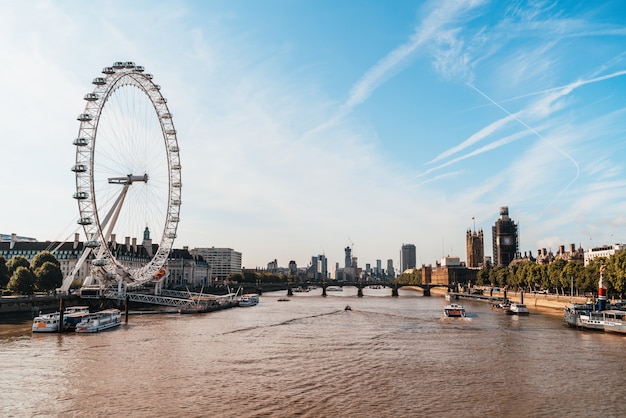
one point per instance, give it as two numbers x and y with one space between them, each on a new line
391 272
504 239
183 269
223 261
603 251
475 244
408 257
449 271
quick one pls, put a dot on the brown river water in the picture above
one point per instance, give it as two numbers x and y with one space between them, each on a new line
308 357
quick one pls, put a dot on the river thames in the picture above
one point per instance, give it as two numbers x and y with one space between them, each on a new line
308 357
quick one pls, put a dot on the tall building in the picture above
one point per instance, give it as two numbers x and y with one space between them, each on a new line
504 239
319 267
407 257
475 248
348 251
223 261
390 271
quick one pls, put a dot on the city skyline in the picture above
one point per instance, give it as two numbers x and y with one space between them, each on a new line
305 127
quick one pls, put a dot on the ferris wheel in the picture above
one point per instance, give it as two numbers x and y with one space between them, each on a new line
128 180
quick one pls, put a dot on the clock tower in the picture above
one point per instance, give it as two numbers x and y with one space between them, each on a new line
505 239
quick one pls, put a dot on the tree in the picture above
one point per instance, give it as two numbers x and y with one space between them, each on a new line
616 271
22 281
235 277
4 272
15 262
571 272
48 276
40 258
555 273
482 277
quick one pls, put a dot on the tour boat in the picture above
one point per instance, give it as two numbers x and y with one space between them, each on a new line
249 299
47 322
334 289
100 321
50 322
454 310
588 317
517 309
501 307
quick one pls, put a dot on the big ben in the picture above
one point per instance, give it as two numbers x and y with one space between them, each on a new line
504 235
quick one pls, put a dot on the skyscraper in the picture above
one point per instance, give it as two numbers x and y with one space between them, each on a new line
408 257
348 251
504 239
390 271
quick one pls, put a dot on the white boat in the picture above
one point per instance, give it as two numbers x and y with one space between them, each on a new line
50 322
100 321
334 289
454 310
47 322
249 299
517 309
588 317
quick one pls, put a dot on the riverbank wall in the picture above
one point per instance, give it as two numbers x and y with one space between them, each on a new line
34 304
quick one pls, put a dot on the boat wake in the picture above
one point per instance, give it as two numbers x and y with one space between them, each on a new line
278 324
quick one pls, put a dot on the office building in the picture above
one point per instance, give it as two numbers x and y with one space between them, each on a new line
407 257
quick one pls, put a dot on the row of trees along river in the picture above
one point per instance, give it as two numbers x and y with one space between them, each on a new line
560 276
42 273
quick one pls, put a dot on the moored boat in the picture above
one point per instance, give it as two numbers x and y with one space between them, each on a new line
601 317
454 310
73 315
99 321
46 322
503 306
586 316
249 299
50 322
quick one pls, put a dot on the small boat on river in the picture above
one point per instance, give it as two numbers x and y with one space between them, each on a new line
454 310
99 321
249 299
517 309
334 289
502 306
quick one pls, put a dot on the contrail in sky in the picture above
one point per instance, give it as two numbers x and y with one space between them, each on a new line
524 124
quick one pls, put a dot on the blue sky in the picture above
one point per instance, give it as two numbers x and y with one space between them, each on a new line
307 126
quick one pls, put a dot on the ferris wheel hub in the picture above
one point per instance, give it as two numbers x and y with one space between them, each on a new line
129 179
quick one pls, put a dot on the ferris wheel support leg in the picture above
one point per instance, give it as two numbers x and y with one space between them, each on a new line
67 281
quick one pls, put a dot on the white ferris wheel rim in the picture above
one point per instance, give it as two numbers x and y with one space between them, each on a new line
123 77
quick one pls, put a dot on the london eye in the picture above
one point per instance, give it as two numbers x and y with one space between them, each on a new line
128 174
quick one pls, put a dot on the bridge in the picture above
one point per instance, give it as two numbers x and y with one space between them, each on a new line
361 285
188 301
